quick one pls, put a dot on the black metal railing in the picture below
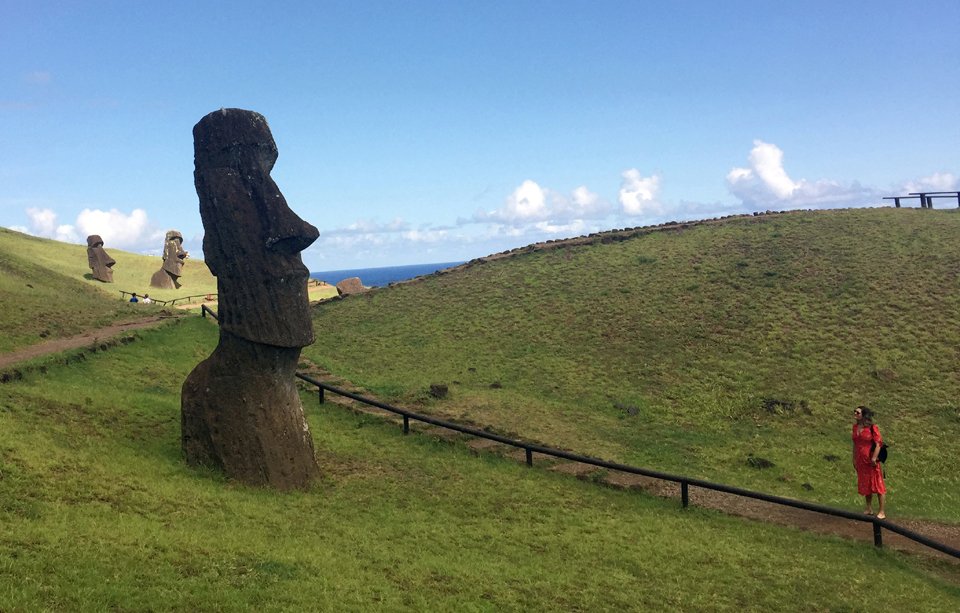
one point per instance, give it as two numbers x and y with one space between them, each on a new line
172 301
685 482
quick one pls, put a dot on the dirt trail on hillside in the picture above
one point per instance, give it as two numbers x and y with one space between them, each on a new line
948 534
80 340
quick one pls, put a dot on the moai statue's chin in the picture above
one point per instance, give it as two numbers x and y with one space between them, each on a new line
168 277
240 410
99 261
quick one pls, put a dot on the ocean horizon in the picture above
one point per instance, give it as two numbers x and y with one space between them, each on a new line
383 275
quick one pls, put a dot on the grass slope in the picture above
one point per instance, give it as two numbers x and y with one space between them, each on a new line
131 273
41 303
98 512
696 350
48 291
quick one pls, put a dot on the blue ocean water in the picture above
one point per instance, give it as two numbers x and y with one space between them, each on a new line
377 277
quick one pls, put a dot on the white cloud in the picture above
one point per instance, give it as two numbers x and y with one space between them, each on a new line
639 194
528 202
937 182
582 204
574 228
364 235
43 222
766 184
67 234
369 226
124 231
765 180
118 229
531 203
425 235
767 161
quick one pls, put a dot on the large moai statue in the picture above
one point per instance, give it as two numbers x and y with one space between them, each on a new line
100 263
168 277
240 411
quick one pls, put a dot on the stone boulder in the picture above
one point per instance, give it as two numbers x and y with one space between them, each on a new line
350 286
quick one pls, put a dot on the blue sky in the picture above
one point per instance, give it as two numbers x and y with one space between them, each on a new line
414 132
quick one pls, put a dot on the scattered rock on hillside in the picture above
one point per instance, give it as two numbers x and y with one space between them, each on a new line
439 390
350 286
831 458
496 385
884 374
759 463
14 375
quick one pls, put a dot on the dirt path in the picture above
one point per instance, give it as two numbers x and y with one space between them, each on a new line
759 510
81 340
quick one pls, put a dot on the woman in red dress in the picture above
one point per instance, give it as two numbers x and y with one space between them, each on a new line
869 472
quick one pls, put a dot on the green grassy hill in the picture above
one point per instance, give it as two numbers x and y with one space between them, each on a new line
99 512
695 350
131 273
48 291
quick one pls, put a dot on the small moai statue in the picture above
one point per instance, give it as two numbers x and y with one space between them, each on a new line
240 410
168 277
99 261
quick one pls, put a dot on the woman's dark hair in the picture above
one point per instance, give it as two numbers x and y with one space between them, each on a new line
866 413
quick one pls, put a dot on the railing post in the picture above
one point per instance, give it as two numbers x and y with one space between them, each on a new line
877 535
897 202
684 494
320 393
203 310
406 424
529 456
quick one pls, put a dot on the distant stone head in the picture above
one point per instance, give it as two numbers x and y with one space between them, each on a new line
98 260
168 277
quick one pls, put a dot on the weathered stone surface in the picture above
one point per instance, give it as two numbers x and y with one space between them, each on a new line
240 411
162 280
168 277
100 263
350 286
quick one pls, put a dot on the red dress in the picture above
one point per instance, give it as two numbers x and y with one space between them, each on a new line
869 476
